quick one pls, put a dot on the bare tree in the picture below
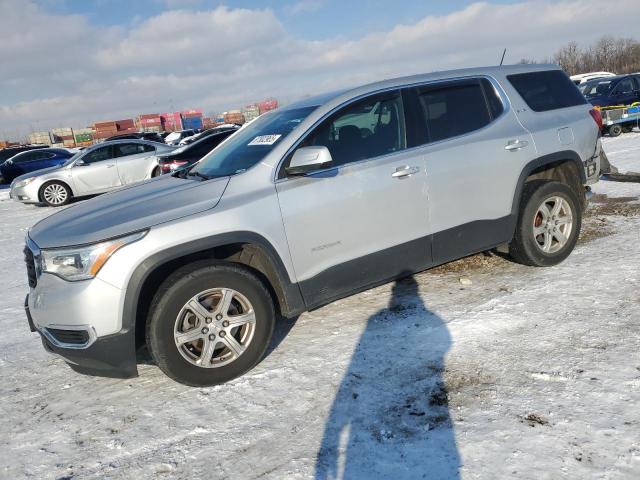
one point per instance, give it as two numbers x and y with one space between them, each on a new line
618 55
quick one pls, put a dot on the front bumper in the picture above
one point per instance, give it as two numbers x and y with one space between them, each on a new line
111 356
24 194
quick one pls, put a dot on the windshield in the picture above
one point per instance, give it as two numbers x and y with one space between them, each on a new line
594 88
251 144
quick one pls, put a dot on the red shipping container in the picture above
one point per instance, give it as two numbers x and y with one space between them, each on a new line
268 105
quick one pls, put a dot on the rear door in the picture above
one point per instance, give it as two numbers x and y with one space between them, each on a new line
134 161
97 173
473 150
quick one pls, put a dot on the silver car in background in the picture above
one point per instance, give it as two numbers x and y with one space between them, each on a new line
98 169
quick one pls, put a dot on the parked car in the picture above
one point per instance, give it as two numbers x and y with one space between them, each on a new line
585 77
151 136
610 91
174 137
308 204
97 169
7 153
190 154
210 131
32 160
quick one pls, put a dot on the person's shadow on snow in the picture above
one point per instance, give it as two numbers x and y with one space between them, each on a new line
390 417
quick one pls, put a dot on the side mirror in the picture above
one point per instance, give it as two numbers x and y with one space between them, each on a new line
80 163
309 159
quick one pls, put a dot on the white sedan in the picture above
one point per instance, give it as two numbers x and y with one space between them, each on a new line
97 169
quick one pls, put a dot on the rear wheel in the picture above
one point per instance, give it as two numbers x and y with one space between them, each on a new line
615 130
548 224
55 194
210 324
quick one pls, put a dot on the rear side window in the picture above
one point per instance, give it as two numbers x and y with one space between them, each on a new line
454 109
544 91
126 149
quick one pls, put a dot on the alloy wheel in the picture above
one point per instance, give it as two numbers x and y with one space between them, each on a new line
214 327
553 224
55 194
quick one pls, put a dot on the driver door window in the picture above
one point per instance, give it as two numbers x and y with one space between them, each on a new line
367 129
98 155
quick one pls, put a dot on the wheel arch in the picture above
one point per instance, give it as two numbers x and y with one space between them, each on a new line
245 248
564 166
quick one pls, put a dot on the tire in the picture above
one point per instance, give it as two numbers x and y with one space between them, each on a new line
156 172
615 130
55 194
627 129
173 319
547 248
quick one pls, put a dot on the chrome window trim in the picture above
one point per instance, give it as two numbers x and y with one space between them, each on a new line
506 104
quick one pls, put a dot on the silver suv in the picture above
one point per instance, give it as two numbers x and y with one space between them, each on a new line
308 204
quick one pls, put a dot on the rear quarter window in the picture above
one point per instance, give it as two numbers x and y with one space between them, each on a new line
545 91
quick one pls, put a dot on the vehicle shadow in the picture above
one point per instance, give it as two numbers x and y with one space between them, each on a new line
390 416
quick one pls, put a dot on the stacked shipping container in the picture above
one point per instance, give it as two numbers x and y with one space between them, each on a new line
191 119
171 121
265 106
41 138
234 116
63 137
250 112
149 122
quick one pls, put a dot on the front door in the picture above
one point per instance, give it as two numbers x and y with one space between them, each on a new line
96 173
363 220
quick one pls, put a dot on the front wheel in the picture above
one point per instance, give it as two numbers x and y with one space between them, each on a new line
55 194
548 224
209 324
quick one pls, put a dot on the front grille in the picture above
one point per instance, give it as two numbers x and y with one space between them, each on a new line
72 337
31 267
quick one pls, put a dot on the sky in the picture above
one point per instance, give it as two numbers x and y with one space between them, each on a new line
75 62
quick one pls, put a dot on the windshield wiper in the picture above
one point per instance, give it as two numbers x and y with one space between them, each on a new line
199 175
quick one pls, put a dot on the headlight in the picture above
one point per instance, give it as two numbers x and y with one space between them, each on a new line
24 183
82 263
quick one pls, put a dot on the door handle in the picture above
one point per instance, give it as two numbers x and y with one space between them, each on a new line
514 145
405 171
111 165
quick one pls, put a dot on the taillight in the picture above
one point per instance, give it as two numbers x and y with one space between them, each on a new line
597 117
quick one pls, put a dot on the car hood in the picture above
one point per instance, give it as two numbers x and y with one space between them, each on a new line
128 210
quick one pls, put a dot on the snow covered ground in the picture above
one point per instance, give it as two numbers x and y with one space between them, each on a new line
513 372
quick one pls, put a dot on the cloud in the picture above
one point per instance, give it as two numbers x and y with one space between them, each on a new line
305 6
224 57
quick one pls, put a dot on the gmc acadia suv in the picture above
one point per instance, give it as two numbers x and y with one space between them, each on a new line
308 204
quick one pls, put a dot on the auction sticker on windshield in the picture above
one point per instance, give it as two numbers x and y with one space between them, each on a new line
265 140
